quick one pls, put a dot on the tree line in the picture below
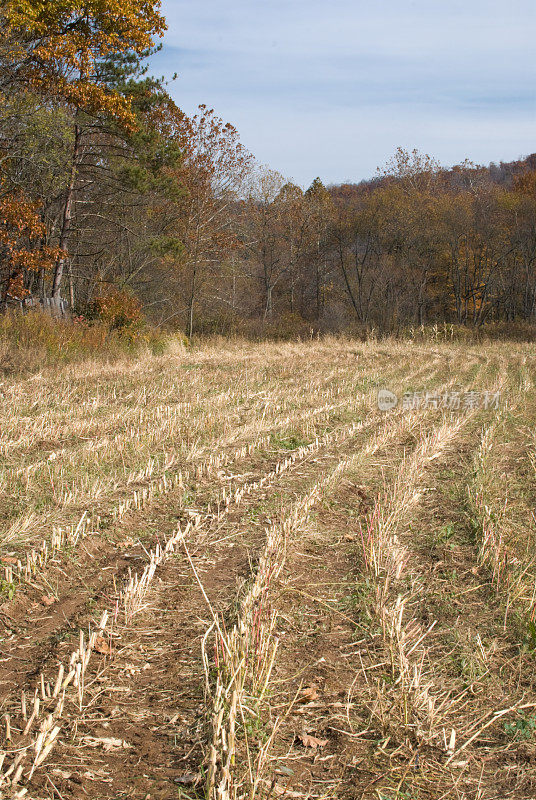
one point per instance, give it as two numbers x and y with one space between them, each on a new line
116 200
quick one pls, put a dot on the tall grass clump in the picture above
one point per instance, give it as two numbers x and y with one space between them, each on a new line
32 340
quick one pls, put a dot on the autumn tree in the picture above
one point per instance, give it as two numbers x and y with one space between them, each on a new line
211 176
357 251
127 189
65 43
264 263
21 248
109 189
320 214
522 208
290 209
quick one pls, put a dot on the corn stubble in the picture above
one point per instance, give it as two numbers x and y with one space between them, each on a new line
93 450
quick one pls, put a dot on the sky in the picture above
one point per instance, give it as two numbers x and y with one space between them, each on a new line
331 88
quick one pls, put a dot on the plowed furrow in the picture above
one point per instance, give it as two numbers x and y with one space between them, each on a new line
227 570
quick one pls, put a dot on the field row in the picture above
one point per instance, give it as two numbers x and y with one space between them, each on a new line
306 598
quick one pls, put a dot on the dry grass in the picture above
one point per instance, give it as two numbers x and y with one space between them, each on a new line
230 452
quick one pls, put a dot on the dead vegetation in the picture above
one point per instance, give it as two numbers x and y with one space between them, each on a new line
227 574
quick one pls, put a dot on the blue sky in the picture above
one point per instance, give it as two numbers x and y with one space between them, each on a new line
333 87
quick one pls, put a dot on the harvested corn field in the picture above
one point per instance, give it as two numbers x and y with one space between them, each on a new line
229 573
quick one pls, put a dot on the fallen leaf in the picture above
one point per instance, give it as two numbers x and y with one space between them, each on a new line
107 742
311 741
48 599
188 779
308 695
283 791
284 771
102 646
62 773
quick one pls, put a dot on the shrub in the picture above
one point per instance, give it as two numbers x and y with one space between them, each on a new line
117 308
29 341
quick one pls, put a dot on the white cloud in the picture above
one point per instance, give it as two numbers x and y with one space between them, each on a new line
332 88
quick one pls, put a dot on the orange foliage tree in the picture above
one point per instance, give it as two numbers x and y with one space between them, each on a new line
21 245
65 44
212 173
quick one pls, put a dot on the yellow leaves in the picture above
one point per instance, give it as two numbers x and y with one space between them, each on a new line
66 38
121 24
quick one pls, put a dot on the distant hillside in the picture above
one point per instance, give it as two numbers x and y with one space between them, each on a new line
501 174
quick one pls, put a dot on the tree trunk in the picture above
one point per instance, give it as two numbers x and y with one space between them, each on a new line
191 318
70 283
191 300
268 305
67 217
